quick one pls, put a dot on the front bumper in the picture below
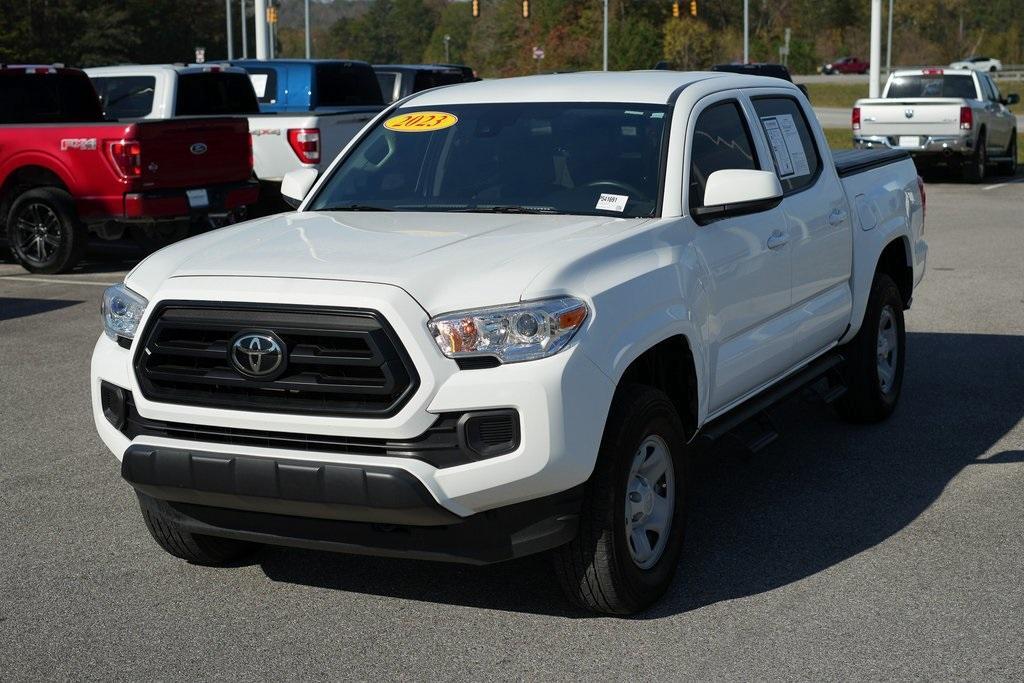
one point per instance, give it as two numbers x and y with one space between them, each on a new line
929 146
562 403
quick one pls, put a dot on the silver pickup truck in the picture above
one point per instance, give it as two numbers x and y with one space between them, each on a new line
940 116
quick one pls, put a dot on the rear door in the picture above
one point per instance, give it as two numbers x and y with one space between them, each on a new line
1001 120
818 223
749 274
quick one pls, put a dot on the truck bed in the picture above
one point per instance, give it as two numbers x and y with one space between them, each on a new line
852 161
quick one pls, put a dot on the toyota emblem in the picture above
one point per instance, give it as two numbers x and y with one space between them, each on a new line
257 355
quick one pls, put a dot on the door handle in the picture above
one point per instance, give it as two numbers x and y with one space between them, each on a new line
777 239
836 217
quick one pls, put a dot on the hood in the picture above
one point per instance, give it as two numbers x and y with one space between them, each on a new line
446 261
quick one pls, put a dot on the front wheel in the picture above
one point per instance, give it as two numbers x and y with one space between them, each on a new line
876 357
178 541
44 232
631 526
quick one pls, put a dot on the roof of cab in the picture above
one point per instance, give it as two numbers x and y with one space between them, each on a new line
647 87
124 69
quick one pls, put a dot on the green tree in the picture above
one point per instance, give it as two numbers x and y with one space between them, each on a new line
689 44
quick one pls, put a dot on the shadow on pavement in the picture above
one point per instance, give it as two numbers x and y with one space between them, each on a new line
11 308
824 492
101 256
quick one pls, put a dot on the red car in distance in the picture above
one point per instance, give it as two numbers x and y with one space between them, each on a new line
846 65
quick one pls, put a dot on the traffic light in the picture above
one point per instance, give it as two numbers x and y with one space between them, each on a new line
693 8
476 8
675 9
526 9
271 15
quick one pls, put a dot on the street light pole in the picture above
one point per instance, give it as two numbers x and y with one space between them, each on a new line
260 7
245 32
447 53
605 35
309 40
888 49
876 46
746 31
231 38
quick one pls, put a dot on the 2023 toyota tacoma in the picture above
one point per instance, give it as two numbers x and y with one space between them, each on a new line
499 322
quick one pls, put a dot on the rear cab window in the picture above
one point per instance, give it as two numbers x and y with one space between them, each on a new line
387 80
938 84
794 152
433 79
215 93
125 97
60 97
347 85
721 140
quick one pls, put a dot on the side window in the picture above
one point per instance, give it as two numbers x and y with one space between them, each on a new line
125 97
721 140
796 157
991 91
264 82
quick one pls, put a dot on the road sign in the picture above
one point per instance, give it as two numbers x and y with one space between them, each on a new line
200 55
538 52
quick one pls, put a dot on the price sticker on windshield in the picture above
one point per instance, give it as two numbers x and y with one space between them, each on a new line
421 122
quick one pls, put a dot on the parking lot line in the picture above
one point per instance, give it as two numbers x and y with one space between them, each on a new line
1008 182
54 281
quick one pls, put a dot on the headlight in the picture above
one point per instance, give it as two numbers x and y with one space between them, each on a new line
513 333
121 311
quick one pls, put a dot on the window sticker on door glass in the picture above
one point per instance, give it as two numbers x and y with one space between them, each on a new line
787 149
259 84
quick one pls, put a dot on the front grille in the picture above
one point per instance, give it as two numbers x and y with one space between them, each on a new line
339 362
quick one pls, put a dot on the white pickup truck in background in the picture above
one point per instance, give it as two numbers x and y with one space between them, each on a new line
281 142
940 116
501 323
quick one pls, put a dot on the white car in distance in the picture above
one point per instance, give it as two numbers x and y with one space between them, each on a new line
978 64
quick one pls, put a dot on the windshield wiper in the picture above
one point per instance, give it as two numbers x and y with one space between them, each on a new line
512 209
356 207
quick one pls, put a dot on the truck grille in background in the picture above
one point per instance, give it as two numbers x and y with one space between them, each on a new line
340 362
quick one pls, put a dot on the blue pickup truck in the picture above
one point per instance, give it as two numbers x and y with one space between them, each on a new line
312 85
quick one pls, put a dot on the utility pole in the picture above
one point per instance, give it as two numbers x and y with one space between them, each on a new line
605 35
746 31
261 28
245 32
888 49
876 46
309 39
231 38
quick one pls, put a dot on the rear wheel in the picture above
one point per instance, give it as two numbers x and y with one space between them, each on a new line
876 357
975 166
631 527
196 548
44 232
1009 167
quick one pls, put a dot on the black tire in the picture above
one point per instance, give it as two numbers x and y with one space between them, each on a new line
197 549
597 570
975 166
869 398
44 232
1009 167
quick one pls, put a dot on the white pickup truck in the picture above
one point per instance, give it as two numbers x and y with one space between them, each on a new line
281 142
951 117
502 322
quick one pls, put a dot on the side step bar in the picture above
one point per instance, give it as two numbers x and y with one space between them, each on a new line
755 408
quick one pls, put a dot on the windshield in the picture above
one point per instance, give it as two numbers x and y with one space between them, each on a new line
929 85
574 158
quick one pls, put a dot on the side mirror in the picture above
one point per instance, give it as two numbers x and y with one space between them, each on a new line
296 185
736 191
1012 98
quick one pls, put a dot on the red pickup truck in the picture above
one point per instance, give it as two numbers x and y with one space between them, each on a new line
65 171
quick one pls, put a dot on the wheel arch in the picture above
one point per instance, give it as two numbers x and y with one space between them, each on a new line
24 178
669 366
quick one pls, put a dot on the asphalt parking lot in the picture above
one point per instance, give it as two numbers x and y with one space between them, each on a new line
888 551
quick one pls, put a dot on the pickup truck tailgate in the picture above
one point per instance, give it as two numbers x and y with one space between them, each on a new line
193 152
911 116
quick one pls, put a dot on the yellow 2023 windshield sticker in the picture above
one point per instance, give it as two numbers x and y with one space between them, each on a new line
421 121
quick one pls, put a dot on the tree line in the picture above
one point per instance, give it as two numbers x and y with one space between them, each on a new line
500 41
